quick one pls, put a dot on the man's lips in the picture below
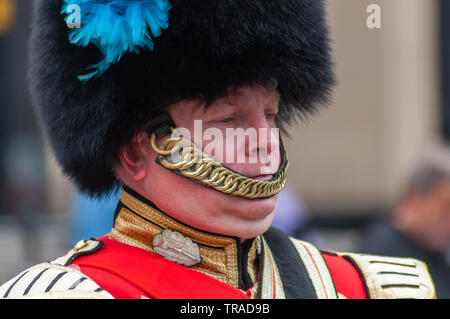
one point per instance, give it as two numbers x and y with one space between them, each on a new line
263 177
258 173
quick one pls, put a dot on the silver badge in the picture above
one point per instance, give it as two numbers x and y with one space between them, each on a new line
177 248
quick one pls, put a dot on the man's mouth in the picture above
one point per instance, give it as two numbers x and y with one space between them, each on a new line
263 177
257 184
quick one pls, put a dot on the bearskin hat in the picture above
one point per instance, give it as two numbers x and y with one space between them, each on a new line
202 48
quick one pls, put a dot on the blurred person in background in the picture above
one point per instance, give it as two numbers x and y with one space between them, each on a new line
419 224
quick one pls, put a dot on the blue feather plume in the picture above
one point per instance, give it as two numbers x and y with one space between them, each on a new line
116 27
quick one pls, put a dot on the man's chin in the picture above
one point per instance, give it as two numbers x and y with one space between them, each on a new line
252 208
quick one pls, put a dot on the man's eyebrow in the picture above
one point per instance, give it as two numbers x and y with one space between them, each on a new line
217 106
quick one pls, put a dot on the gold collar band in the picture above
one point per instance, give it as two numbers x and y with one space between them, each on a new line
186 159
222 257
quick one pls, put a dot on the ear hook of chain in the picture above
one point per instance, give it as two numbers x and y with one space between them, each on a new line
158 150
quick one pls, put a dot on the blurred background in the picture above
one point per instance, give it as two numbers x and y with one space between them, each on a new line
349 166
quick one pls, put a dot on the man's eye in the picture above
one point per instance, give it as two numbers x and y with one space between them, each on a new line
226 120
271 116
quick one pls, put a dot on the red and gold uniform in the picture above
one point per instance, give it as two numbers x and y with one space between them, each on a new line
124 265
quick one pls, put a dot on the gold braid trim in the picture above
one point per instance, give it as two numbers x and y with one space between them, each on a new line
182 156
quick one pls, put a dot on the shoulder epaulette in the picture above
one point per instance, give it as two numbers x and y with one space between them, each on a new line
361 276
55 280
393 277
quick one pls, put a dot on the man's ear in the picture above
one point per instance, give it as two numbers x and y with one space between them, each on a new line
133 157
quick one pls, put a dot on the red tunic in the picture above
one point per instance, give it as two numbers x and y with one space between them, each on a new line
110 269
346 277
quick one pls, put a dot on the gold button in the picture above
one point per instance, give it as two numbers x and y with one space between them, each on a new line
80 245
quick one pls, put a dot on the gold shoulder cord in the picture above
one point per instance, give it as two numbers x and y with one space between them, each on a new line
186 159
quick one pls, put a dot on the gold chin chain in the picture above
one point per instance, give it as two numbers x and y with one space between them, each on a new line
186 159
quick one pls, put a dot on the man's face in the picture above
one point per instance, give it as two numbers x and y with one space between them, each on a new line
252 150
436 212
430 217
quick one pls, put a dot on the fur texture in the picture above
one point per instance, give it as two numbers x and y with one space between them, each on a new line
208 46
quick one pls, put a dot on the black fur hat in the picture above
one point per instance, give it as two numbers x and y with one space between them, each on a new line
208 46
